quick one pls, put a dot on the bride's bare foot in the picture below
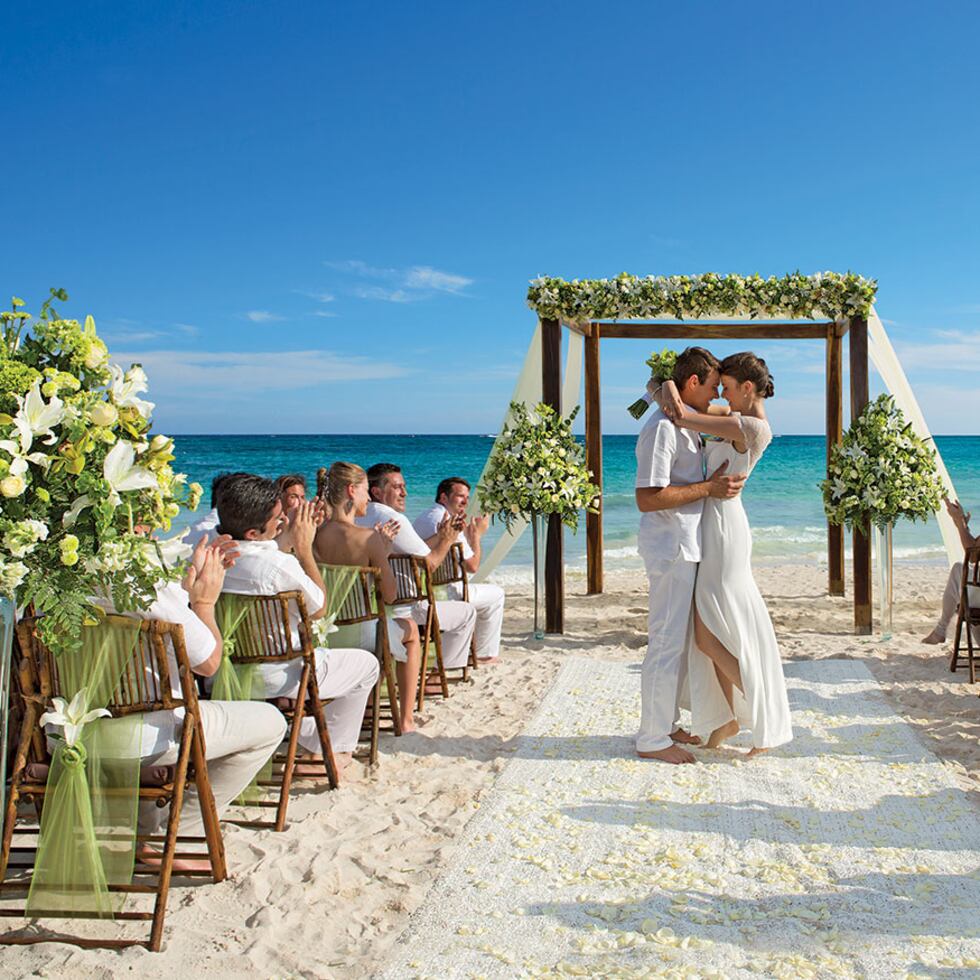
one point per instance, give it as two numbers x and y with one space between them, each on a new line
753 752
684 738
673 754
934 638
408 725
150 857
719 735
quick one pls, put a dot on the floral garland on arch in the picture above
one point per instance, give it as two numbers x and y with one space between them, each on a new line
881 471
537 467
826 294
81 477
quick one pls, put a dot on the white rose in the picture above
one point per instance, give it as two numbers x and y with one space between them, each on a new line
13 486
103 414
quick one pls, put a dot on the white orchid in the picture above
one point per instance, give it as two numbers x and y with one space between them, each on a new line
122 473
126 386
72 717
37 418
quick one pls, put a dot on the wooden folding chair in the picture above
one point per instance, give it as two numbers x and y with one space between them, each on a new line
364 604
452 571
414 585
968 613
144 686
264 637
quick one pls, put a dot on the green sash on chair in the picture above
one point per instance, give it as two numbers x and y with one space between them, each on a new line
233 682
88 825
338 581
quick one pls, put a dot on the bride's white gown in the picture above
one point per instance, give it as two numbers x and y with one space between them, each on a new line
731 606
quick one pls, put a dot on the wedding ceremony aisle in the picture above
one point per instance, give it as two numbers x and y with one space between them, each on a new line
849 852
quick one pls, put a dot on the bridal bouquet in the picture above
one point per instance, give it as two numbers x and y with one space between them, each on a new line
661 369
881 471
82 480
537 467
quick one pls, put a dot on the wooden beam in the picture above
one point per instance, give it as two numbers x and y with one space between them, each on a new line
861 537
835 427
585 329
554 571
593 459
713 331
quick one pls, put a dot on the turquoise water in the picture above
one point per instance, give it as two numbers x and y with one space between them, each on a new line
781 498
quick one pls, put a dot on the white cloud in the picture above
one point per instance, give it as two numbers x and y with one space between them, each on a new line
387 295
318 295
263 316
131 336
425 277
324 313
956 350
187 328
405 285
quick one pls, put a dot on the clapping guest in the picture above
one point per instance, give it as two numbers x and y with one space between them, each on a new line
339 541
206 527
452 499
250 510
292 488
951 595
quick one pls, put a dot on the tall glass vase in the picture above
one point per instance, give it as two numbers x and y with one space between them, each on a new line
7 608
538 525
883 554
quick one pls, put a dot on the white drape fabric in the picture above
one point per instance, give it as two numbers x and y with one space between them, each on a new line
887 364
528 391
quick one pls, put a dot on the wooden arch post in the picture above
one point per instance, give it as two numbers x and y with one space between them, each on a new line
593 459
861 536
554 558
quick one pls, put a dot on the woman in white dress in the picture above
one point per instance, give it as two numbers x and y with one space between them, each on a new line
735 672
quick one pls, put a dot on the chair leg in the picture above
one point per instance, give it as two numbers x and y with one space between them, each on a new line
28 724
969 649
209 812
290 763
955 655
440 667
388 672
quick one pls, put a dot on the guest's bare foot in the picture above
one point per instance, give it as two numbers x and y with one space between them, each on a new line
753 752
487 660
673 754
685 738
408 725
152 858
719 735
934 638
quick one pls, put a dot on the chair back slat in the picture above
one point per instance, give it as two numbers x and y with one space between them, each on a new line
363 602
265 634
452 569
411 578
970 591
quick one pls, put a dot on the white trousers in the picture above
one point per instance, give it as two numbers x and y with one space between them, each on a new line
239 737
951 598
346 676
665 665
488 600
457 620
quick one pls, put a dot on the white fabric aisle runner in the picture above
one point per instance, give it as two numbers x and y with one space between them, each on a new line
849 852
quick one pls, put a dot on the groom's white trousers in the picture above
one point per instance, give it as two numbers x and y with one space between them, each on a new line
665 665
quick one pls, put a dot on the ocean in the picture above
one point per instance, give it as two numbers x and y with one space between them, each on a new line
782 497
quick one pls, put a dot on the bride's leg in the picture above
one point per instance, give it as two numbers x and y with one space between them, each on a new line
725 664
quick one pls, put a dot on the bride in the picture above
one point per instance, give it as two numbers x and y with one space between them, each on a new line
734 670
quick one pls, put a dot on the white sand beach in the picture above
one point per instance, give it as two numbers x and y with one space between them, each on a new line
332 896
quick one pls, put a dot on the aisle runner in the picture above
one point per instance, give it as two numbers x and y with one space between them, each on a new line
849 852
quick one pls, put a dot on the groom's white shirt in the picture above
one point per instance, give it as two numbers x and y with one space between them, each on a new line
665 456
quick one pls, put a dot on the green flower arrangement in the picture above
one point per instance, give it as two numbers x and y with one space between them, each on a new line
881 471
537 467
82 480
825 294
661 369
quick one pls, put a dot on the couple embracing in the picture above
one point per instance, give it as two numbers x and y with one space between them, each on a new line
710 631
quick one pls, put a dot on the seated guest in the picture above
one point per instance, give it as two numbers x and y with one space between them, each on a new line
452 499
457 620
954 584
292 489
339 541
206 527
250 510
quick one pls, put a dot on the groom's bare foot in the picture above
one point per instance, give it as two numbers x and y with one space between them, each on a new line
684 738
673 754
753 752
934 638
719 735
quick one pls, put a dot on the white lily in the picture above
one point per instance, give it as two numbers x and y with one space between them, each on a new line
174 550
122 473
36 418
80 503
126 386
72 717
19 450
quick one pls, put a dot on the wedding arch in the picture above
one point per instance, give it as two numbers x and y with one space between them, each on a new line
827 306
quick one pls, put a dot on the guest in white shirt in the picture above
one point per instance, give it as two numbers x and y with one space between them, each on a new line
206 527
954 584
251 511
457 620
292 488
452 499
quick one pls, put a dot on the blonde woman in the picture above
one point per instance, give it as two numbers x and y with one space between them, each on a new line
339 541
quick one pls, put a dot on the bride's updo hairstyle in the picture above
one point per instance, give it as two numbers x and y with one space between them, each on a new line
747 367
332 484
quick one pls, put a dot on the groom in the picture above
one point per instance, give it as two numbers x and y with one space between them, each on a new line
671 487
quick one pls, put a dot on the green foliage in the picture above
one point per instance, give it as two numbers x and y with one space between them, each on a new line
16 378
537 467
881 471
661 369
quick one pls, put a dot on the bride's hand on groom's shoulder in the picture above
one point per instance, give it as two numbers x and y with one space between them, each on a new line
670 401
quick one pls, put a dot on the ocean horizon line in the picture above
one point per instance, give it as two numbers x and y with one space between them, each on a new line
489 435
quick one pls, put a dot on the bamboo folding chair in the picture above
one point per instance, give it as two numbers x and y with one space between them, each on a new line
364 604
144 686
452 571
968 613
414 585
265 637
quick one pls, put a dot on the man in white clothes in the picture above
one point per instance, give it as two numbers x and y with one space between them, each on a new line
670 490
452 499
206 527
251 511
457 620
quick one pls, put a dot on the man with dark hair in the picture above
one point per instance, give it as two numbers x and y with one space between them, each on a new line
452 499
457 620
250 509
206 526
292 488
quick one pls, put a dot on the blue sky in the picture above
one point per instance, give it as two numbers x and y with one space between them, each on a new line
322 217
